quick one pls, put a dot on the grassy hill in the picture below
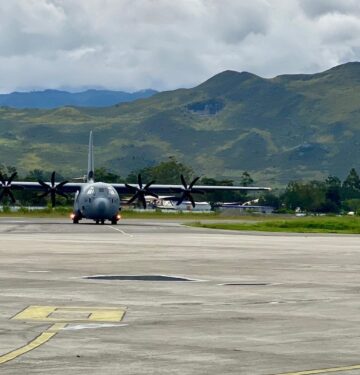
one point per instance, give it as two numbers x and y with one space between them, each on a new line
287 127
54 98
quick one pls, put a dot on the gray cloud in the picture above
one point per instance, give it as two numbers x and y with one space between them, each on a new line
318 8
165 44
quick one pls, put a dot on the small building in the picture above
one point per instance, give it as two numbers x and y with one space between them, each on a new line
164 203
240 209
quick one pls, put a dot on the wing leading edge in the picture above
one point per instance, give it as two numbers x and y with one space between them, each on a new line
164 189
72 187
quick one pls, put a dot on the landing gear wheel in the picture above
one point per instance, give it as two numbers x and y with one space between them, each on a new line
102 221
113 221
75 218
97 221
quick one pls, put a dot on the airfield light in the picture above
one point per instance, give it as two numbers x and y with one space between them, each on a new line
118 216
72 216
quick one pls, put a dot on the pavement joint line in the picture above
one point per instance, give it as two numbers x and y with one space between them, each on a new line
38 341
121 231
324 370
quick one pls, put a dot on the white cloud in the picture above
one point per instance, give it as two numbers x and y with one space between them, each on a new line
164 44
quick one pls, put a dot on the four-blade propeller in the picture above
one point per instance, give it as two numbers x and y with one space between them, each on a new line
188 190
141 191
6 187
53 189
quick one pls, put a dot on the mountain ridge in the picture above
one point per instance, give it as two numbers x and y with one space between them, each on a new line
279 129
50 98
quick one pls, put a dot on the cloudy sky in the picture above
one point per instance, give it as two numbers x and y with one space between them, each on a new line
166 44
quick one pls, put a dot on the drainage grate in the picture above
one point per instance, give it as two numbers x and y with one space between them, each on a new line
138 278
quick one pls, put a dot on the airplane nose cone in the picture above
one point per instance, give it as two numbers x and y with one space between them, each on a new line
101 207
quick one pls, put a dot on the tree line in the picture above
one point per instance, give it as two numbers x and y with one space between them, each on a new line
327 196
330 195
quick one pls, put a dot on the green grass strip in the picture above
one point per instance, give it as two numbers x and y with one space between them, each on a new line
349 225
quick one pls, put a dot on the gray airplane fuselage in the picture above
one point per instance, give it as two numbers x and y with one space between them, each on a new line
97 201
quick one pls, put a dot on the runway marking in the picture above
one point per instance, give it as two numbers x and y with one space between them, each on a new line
70 314
38 341
62 316
79 327
324 370
121 231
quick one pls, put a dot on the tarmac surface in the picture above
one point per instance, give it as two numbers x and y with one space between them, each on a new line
292 305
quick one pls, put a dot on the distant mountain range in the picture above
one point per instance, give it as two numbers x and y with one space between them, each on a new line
48 99
279 129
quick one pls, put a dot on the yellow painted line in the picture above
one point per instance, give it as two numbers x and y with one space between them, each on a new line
323 371
107 315
38 341
71 314
35 313
62 314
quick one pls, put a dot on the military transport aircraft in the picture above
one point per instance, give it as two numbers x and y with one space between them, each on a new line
100 201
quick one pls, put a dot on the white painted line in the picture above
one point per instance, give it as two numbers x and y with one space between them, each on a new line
121 231
37 271
79 327
186 278
12 221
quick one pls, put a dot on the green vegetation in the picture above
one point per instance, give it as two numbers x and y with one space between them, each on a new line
176 215
40 213
350 225
64 212
292 127
167 172
328 196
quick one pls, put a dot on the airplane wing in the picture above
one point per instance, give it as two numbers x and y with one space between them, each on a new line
184 192
170 189
139 191
70 187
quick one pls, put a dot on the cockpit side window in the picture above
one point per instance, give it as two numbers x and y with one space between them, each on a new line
111 191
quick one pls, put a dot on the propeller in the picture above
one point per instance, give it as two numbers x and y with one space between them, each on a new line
140 191
53 189
6 186
188 190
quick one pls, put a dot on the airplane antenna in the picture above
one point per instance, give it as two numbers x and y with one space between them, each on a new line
90 172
